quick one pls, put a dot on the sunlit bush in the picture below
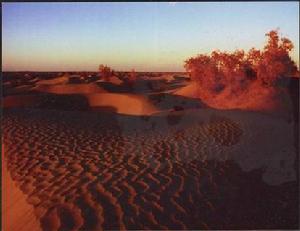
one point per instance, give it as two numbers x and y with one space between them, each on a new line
105 72
132 76
233 80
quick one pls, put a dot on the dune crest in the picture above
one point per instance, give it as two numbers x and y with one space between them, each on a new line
86 88
191 91
58 80
256 98
129 104
115 80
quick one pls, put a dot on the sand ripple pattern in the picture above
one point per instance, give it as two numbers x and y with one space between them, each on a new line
84 173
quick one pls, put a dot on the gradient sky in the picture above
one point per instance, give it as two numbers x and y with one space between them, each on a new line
144 36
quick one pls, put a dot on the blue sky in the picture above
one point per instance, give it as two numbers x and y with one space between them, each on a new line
144 36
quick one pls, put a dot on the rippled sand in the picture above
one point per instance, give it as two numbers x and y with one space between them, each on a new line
17 213
202 170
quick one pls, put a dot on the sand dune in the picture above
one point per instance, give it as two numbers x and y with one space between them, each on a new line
59 80
129 104
18 101
115 80
202 170
191 91
257 98
168 78
95 96
83 158
89 88
17 213
112 79
17 90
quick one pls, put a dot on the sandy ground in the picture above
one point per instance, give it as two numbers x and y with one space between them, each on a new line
17 213
190 90
54 81
257 98
92 171
92 95
82 158
70 88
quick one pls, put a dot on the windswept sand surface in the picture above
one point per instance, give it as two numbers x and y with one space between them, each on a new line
70 88
54 81
129 104
257 98
17 214
180 170
84 96
191 91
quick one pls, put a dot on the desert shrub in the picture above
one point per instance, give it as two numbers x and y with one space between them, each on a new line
275 62
105 72
224 78
132 76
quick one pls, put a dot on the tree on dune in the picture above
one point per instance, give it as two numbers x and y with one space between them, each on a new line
276 62
105 72
238 75
132 76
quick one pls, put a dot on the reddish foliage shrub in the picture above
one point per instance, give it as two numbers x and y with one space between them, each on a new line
105 72
228 80
132 76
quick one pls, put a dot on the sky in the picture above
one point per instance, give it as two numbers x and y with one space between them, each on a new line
153 36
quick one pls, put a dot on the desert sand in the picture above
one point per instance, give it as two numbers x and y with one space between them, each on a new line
17 213
190 90
70 88
154 162
54 81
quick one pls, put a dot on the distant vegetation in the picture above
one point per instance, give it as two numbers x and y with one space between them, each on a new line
105 72
238 79
132 76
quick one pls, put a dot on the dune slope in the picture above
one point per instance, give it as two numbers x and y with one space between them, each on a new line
17 214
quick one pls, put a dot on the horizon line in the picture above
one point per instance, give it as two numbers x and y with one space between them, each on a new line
98 71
